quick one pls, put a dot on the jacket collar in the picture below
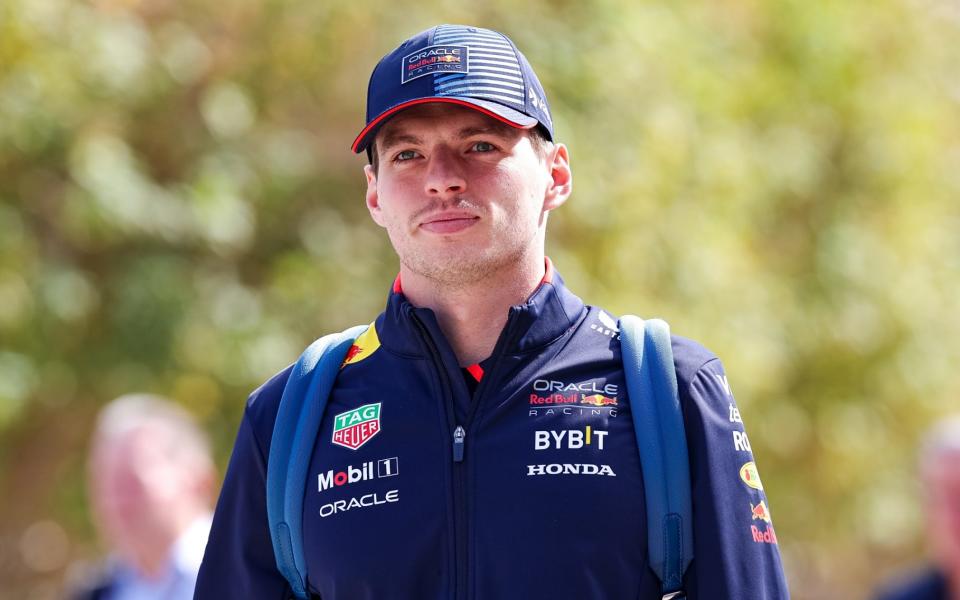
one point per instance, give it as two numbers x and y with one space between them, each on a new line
547 314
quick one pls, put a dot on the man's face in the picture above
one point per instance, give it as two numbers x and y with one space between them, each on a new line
137 490
942 482
461 194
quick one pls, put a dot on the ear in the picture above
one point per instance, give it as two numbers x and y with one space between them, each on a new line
560 184
373 197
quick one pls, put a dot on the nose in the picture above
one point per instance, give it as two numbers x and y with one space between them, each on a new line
444 177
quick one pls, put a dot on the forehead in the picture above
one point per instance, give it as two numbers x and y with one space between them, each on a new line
441 118
143 442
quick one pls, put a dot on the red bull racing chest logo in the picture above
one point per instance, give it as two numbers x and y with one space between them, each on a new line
550 397
356 427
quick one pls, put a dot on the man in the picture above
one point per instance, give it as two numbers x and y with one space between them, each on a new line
940 477
151 486
478 440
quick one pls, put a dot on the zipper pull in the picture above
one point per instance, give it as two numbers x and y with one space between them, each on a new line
458 435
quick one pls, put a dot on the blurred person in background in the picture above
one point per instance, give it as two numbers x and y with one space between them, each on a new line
940 480
151 485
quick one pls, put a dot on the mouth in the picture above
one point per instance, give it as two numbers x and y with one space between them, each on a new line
447 223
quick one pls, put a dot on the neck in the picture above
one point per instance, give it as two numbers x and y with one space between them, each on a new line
152 551
150 559
472 314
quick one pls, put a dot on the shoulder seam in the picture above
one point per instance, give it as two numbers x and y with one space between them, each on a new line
705 363
253 432
693 376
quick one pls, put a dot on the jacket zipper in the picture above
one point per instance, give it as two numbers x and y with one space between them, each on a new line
458 433
461 545
458 438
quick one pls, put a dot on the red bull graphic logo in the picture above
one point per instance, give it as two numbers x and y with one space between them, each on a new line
763 536
356 427
597 400
365 345
760 512
750 475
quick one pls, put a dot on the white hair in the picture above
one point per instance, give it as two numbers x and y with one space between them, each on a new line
182 439
941 440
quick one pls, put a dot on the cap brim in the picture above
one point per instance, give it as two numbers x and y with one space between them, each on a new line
507 115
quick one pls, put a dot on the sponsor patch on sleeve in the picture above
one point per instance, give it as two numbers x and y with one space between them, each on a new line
750 475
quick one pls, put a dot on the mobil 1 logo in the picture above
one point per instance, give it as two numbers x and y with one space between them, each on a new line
374 469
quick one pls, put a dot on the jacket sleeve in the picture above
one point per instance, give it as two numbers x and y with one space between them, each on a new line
736 553
239 560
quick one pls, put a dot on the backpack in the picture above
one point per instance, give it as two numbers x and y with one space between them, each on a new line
648 366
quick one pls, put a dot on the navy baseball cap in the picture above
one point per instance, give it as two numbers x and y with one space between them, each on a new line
473 67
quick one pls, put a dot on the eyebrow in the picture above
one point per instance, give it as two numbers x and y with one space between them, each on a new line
492 129
391 139
394 138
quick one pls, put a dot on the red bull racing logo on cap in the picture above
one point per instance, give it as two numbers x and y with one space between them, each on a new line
356 427
434 59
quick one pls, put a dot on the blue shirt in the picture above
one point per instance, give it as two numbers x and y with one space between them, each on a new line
176 581
927 585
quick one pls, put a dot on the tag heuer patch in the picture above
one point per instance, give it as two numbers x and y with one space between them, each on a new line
354 428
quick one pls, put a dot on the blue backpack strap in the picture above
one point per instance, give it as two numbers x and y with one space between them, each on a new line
662 442
294 433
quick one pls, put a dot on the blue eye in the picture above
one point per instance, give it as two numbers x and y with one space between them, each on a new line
405 155
483 147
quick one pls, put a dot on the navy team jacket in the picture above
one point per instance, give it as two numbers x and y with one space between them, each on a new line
541 497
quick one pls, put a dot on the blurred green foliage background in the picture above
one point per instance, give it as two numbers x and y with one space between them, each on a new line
180 213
